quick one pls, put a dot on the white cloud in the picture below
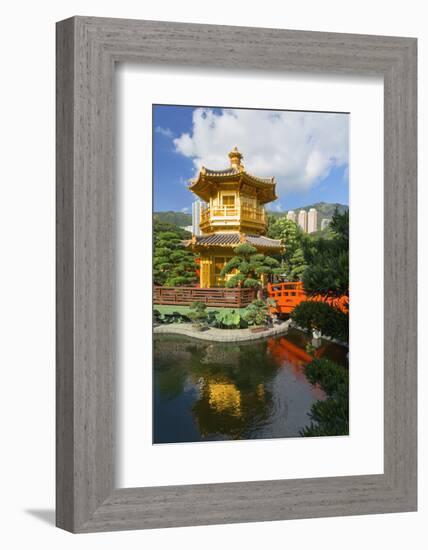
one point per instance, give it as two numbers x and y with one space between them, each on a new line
298 148
167 132
185 210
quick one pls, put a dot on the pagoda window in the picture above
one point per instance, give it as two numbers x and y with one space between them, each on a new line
228 201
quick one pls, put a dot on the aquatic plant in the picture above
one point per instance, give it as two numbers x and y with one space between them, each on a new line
175 317
167 318
228 318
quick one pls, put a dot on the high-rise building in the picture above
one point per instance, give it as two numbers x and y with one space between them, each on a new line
312 220
325 222
291 215
302 220
196 217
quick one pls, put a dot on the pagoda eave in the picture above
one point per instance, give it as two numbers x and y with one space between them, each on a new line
209 180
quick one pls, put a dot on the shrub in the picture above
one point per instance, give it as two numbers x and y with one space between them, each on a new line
157 316
321 316
211 318
331 377
198 313
256 313
174 317
330 416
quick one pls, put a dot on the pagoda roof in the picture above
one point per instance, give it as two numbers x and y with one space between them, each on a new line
207 181
233 239
233 172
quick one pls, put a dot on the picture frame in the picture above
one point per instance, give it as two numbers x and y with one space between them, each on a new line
87 51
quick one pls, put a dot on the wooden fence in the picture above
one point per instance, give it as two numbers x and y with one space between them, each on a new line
212 297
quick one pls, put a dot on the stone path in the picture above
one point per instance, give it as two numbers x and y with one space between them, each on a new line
219 334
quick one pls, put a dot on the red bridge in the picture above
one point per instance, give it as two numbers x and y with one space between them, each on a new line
289 295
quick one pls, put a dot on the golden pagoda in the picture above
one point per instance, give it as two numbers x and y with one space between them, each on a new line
233 213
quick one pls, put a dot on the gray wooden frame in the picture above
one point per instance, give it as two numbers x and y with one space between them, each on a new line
87 50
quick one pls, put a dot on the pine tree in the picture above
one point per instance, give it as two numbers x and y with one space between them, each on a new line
249 265
173 264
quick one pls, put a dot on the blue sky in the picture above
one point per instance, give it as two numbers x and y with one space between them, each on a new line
306 152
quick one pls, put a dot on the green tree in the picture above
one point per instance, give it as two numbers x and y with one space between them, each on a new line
173 264
340 227
293 262
321 316
286 230
327 275
250 266
297 266
328 260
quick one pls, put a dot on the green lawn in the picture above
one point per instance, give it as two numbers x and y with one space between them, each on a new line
184 309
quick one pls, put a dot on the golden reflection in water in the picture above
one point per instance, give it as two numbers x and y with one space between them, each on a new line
224 398
221 392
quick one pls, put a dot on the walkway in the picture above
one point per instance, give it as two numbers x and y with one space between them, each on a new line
221 335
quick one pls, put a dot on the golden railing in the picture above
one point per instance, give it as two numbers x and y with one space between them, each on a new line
253 214
244 213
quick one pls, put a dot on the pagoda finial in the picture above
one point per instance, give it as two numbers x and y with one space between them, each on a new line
236 159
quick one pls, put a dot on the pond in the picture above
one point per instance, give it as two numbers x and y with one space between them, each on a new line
208 391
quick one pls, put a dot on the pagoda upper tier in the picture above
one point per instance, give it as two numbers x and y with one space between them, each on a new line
234 198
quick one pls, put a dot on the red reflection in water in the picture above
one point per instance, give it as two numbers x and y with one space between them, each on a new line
284 351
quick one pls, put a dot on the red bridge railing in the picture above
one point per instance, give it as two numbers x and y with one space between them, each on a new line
289 295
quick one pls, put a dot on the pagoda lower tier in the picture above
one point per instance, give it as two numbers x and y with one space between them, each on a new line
217 249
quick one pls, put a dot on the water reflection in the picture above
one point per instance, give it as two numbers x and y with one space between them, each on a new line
214 391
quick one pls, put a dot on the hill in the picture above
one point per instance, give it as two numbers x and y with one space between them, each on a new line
182 219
